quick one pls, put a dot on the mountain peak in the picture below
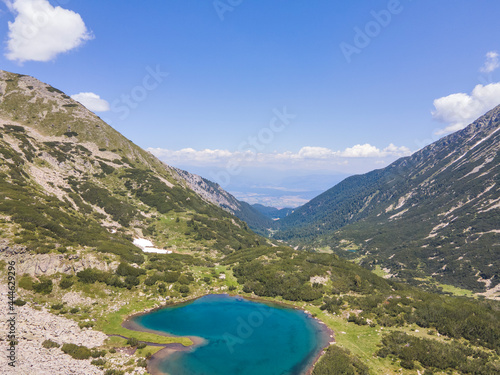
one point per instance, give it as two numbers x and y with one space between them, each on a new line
434 213
56 153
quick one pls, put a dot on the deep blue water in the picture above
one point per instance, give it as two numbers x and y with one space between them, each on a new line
242 337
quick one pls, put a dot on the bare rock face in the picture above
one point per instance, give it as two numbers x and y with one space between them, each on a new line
7 249
35 326
50 264
210 191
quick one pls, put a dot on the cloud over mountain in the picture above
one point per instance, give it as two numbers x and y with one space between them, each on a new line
306 157
460 109
92 101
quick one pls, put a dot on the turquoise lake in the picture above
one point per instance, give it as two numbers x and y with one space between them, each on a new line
242 337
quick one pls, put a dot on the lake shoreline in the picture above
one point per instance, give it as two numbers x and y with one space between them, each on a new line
154 362
168 349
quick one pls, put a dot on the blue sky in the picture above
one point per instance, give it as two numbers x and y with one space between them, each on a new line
263 95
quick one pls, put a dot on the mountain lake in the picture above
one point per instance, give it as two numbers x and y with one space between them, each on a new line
235 336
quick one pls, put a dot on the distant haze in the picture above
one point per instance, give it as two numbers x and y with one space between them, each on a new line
276 188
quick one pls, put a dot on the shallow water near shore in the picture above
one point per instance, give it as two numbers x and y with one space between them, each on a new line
240 337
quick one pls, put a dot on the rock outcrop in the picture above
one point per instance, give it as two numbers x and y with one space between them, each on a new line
33 327
50 264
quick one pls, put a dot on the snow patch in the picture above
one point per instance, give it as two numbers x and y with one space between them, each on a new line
142 243
148 247
388 273
491 231
492 293
156 251
459 205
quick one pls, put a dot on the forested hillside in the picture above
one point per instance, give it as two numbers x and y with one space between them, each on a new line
74 194
70 181
434 213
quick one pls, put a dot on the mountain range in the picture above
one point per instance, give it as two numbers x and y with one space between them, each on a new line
85 215
69 180
429 217
433 214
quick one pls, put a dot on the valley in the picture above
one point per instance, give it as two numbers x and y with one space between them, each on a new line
75 194
430 217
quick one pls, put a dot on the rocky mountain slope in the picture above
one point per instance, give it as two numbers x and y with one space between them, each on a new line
212 192
74 194
432 214
38 325
68 181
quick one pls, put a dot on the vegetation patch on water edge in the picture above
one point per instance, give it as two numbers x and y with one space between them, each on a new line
339 361
356 304
112 324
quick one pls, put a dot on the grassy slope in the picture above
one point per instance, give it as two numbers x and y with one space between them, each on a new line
192 235
431 214
109 313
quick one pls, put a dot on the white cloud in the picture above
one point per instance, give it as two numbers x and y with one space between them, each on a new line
41 31
356 151
309 152
369 151
306 157
459 110
492 62
92 101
